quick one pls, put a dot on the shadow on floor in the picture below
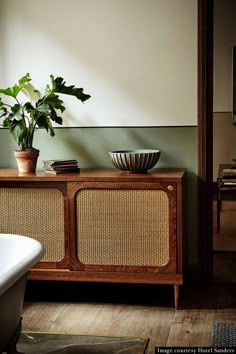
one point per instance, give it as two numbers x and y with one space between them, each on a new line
203 297
140 294
212 296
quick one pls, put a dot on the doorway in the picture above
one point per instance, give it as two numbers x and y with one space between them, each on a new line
217 251
224 216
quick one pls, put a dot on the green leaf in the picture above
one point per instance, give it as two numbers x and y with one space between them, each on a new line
3 109
51 129
28 107
17 113
36 111
17 129
54 117
43 121
53 101
43 108
24 80
3 112
7 124
19 133
58 85
14 90
10 91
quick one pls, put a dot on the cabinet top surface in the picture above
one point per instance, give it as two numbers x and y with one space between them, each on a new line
93 174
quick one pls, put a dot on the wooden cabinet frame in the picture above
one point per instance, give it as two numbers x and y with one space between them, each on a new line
70 185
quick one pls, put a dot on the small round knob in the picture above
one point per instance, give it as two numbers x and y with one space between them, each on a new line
170 188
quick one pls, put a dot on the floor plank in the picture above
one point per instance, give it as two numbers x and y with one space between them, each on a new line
154 323
114 320
75 319
41 316
191 328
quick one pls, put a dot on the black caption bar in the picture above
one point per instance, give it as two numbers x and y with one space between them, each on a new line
194 350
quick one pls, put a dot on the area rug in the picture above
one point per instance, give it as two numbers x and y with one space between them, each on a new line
223 335
41 343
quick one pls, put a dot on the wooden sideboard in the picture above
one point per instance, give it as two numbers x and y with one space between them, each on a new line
99 225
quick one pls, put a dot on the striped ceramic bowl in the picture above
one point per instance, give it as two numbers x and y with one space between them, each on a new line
138 161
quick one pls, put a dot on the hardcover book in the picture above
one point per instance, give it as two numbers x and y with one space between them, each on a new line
71 170
61 166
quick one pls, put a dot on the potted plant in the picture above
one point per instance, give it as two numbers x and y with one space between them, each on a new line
38 111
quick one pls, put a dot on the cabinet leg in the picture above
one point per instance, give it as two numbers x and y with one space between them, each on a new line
176 295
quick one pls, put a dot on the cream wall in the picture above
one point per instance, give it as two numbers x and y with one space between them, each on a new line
139 67
2 64
224 133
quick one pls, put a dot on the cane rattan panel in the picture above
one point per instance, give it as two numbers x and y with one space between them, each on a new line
35 212
123 227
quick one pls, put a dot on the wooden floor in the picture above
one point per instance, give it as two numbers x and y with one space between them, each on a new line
142 310
129 310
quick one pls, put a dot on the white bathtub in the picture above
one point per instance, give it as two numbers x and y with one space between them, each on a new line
17 255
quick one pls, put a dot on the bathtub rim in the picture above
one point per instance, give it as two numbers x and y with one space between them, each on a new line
8 278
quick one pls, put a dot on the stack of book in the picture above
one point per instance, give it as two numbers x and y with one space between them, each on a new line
61 166
229 173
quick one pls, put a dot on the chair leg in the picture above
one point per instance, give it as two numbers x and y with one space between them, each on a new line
219 207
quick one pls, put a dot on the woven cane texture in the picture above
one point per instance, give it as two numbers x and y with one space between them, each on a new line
35 212
123 227
224 335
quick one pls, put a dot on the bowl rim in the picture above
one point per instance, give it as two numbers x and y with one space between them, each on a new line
135 151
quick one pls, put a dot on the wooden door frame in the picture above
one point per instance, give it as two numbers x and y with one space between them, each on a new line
205 136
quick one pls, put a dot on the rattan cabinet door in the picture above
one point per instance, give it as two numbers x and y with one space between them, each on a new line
126 228
37 213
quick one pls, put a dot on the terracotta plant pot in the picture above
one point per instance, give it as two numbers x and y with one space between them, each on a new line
27 160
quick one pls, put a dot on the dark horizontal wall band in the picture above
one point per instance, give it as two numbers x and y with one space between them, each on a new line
124 127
